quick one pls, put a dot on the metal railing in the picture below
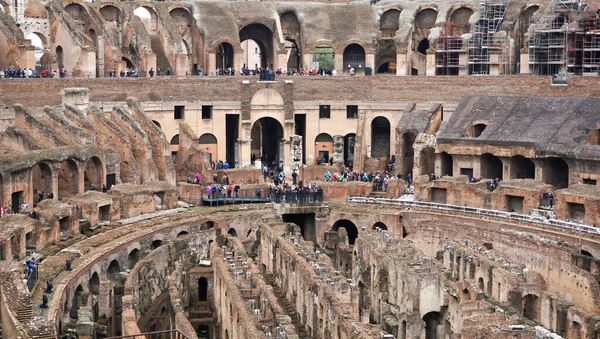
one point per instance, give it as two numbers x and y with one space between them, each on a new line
266 194
296 197
167 334
480 211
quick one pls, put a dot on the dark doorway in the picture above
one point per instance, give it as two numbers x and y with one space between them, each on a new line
203 332
447 164
423 46
224 56
202 289
556 173
432 321
354 56
232 232
349 142
530 307
300 129
408 153
380 137
104 213
111 180
59 57
232 122
381 225
491 166
350 227
306 222
521 168
16 200
267 135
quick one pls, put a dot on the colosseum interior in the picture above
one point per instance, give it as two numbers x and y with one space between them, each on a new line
463 139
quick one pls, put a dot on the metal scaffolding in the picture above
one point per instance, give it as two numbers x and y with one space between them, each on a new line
486 48
562 41
447 54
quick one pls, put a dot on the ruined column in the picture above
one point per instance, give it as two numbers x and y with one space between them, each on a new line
85 323
295 153
370 62
339 63
212 64
401 64
180 64
245 151
338 150
78 97
100 57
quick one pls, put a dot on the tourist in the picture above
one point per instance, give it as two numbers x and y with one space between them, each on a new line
236 188
151 72
197 178
208 191
327 175
104 189
409 180
92 187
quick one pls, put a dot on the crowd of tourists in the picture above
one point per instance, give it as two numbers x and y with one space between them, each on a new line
28 73
380 180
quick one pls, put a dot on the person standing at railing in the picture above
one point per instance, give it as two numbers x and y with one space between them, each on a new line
236 188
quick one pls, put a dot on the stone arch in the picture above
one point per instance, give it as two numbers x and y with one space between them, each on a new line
41 179
350 228
35 10
380 225
432 321
290 27
111 13
267 134
174 140
556 172
446 164
524 21
68 179
460 19
94 283
323 56
323 148
134 256
225 55
157 124
263 37
389 23
531 307
114 272
156 244
521 168
76 302
380 137
475 129
232 232
148 17
480 284
491 166
128 62
60 61
385 56
208 142
203 289
182 233
355 57
93 173
408 153
267 97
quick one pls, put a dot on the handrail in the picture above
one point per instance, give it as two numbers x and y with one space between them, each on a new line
173 334
481 211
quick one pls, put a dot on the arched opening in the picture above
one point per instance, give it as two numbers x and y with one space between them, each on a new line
174 146
111 14
157 124
380 137
114 272
262 49
41 179
290 27
481 284
202 289
181 234
408 153
427 161
380 225
323 148
208 142
530 307
446 164
432 321
38 41
127 62
349 142
491 166
92 35
267 135
323 58
576 330
155 244
209 225
224 56
389 23
68 179
423 46
556 173
387 67
354 57
521 168
148 17
93 173
76 11
232 232
94 284
59 57
403 330
460 20
134 256
350 228
475 130
76 302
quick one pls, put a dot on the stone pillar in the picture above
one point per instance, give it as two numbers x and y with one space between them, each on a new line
212 64
524 63
430 66
85 323
296 153
245 151
180 64
370 62
281 61
338 149
81 178
100 57
339 63
505 168
463 62
401 65
238 61
55 169
307 61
